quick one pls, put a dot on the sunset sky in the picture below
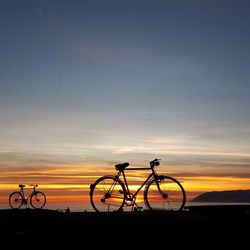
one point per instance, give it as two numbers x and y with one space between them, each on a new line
88 84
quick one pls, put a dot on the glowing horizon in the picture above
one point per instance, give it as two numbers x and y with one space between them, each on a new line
72 185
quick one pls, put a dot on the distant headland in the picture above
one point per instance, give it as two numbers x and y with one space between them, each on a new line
224 196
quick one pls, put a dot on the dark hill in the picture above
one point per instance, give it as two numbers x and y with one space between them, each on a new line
224 196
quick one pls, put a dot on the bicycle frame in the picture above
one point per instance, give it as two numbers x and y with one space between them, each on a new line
23 195
129 195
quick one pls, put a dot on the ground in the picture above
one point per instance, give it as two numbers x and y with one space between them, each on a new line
192 228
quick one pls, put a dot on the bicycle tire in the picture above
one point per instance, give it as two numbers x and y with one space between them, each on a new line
171 197
38 200
16 198
102 200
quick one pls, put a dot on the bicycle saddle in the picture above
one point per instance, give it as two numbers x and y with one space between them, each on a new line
121 166
21 185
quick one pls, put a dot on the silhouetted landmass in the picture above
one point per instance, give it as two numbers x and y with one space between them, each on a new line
54 230
224 196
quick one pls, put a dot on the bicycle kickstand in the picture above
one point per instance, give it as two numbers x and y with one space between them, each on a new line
136 208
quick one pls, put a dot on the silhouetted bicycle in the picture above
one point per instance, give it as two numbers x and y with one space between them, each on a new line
37 199
110 193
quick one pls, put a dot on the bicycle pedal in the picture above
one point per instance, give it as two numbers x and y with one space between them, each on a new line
121 192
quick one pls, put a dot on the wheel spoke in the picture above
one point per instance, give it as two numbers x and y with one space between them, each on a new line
101 191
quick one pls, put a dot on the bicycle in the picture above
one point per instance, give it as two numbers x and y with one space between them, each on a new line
36 198
163 193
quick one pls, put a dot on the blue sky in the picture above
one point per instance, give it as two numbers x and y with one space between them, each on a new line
106 81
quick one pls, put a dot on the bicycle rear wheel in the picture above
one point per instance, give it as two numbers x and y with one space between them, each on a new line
107 194
164 193
16 200
38 200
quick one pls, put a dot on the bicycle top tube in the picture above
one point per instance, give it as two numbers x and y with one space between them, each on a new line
137 169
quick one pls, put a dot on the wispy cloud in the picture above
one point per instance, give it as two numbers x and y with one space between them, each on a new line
38 8
183 146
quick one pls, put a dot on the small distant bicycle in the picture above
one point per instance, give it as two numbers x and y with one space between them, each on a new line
111 193
36 198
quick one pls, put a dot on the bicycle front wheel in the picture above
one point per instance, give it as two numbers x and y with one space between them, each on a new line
107 194
164 194
16 200
38 200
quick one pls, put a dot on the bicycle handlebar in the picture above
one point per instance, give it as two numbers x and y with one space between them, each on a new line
33 185
155 162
